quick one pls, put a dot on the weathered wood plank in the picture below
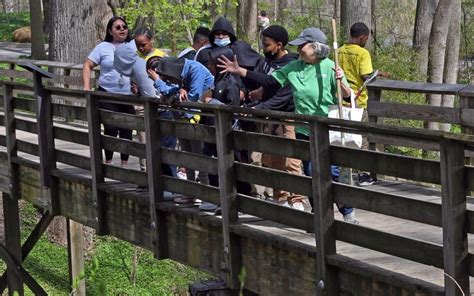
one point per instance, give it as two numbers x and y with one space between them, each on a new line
10 202
387 164
323 199
403 141
271 144
417 112
122 120
71 135
155 182
416 87
70 112
185 130
228 197
273 178
388 204
453 192
276 213
97 168
396 245
72 159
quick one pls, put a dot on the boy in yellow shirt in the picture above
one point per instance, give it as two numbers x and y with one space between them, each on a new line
355 60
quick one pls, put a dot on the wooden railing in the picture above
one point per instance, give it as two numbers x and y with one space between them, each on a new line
451 173
378 108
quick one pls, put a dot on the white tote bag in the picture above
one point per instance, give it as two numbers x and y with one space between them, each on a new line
348 113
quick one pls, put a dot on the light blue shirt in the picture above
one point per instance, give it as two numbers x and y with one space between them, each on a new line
109 78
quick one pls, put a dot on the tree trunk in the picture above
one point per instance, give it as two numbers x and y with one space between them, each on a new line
353 11
452 57
247 20
437 50
80 25
425 10
37 37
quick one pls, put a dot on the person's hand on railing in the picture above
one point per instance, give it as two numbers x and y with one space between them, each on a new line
183 95
134 88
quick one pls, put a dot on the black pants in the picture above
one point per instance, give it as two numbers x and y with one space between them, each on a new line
113 131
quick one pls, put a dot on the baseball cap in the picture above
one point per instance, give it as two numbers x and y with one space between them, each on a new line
309 35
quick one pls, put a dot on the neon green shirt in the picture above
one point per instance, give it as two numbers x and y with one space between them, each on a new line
313 86
356 62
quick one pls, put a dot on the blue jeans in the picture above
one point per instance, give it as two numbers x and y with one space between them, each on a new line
335 171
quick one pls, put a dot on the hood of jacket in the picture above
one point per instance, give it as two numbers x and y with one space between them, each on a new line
222 24
125 57
170 66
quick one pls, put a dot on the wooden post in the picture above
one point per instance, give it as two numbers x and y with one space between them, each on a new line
47 155
10 201
323 200
453 195
228 196
467 102
374 95
76 256
97 167
155 181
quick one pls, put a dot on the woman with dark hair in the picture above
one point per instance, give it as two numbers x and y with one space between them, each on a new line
110 80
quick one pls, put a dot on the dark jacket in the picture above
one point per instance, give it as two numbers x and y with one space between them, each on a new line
278 99
247 57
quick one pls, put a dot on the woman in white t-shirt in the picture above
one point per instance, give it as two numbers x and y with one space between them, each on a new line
110 80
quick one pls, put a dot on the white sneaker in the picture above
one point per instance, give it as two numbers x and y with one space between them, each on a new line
351 218
298 206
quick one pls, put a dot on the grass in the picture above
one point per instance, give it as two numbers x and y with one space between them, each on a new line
9 22
108 269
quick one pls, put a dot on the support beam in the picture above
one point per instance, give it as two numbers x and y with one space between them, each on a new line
21 273
97 167
327 282
30 242
76 257
454 210
155 180
10 201
228 197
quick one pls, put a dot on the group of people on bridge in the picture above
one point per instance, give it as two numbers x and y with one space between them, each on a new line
220 69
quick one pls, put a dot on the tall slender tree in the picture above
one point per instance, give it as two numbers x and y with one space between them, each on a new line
437 49
37 37
247 20
353 11
425 10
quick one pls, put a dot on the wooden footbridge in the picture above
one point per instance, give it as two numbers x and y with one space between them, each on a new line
416 224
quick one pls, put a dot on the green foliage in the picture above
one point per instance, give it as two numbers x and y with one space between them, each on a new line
401 62
172 19
164 277
108 272
9 22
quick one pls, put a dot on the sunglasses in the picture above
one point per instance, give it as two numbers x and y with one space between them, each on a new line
119 27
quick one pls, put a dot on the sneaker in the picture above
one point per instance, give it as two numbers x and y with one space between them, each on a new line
351 218
208 207
366 179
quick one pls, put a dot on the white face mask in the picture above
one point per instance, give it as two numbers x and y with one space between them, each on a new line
222 42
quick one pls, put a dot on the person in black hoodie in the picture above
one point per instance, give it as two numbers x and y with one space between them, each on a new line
223 35
274 41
